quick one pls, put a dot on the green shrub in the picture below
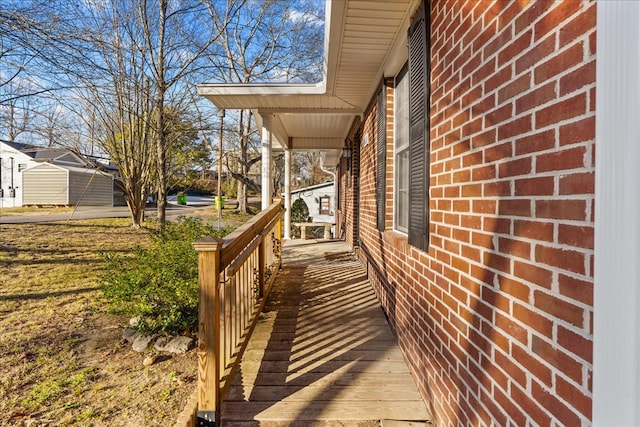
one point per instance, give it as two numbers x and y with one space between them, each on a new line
299 213
159 283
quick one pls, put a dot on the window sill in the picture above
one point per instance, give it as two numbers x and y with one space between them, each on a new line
397 240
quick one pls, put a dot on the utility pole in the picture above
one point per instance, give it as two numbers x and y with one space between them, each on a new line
219 194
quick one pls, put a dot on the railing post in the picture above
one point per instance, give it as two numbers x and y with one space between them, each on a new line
208 330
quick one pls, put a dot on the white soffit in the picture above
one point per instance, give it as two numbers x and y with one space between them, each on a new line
364 39
370 29
321 125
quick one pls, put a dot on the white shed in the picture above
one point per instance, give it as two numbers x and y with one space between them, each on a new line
52 184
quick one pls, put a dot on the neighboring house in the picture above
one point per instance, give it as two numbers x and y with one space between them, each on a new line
34 175
13 160
320 200
504 253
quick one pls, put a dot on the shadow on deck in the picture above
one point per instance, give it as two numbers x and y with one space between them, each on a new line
322 353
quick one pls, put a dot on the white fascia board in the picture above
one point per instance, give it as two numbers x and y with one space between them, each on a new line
334 19
335 13
255 89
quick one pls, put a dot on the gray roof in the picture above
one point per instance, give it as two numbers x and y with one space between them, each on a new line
313 187
42 154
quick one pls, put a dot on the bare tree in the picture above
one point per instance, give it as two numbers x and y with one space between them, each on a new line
98 51
118 64
24 37
120 97
128 60
14 91
174 43
266 41
15 116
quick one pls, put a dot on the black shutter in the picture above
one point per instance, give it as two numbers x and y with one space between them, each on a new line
419 130
381 154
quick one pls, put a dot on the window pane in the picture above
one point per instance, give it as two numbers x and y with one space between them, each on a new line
401 103
401 119
402 189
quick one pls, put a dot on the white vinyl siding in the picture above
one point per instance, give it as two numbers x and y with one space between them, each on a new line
45 185
90 188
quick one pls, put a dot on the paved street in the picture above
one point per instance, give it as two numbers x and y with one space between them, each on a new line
87 212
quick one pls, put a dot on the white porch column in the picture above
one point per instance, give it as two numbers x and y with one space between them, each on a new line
616 353
287 194
266 164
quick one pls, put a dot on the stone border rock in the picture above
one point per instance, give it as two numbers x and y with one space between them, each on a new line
140 343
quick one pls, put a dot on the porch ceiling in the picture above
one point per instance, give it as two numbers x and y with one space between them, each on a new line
364 40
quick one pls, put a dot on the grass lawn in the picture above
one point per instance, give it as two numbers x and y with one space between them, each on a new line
63 360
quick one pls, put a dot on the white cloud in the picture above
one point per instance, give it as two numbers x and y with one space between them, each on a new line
306 17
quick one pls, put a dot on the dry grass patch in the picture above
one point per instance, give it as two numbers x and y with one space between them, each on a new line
33 210
63 358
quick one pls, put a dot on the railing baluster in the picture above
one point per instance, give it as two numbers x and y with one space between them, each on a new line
224 322
230 318
262 264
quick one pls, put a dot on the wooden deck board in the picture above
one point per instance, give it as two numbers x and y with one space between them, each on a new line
320 409
345 392
322 353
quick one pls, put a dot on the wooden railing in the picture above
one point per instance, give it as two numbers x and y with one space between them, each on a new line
235 275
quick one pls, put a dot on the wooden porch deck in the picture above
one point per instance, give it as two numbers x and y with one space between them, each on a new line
322 353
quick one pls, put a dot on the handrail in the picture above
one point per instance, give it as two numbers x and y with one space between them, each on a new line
234 276
243 235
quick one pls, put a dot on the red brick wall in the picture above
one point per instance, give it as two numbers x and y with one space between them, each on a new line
496 318
348 188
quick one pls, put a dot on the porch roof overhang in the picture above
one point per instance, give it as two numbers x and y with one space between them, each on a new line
364 41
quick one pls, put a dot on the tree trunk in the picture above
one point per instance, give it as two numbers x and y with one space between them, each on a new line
161 153
136 202
162 181
161 132
242 197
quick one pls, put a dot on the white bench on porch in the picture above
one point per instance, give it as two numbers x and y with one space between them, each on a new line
303 228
